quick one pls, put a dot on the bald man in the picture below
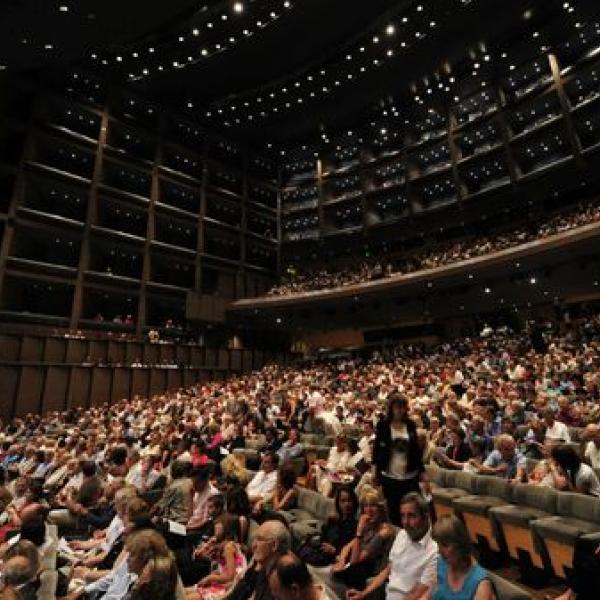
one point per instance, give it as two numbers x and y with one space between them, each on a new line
291 580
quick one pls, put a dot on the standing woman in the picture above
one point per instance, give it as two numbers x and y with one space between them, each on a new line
397 456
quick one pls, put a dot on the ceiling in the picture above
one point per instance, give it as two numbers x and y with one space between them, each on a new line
193 56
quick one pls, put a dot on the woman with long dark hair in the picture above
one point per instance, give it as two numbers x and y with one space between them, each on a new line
570 474
397 456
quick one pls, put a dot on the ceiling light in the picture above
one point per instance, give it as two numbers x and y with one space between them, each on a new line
195 31
238 7
63 8
48 46
390 29
375 39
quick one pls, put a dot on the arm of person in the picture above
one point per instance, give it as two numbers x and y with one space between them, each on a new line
286 501
485 591
228 572
376 583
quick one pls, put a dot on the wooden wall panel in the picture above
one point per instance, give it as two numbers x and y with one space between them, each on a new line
139 382
31 348
9 376
236 360
134 351
29 394
167 352
55 388
98 350
101 386
77 350
197 357
210 358
223 359
10 347
257 358
79 387
55 350
174 379
158 381
121 384
246 360
116 351
182 354
151 354
190 377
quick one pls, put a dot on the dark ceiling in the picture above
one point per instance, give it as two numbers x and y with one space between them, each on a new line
295 39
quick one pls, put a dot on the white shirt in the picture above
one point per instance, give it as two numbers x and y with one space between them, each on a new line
411 563
592 453
338 461
114 530
115 584
558 431
262 484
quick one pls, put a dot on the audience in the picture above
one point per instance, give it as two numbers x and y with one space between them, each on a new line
314 278
139 498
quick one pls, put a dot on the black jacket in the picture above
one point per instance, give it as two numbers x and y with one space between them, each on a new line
383 447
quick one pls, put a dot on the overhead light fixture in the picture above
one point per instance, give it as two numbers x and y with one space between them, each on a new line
390 29
238 7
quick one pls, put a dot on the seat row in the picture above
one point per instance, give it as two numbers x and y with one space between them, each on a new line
535 525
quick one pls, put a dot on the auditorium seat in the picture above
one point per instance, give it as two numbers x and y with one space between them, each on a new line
530 503
311 512
577 515
455 485
490 491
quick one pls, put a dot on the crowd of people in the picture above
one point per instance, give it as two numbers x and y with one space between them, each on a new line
149 498
306 279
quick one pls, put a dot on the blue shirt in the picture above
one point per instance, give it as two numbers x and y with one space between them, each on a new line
443 592
495 460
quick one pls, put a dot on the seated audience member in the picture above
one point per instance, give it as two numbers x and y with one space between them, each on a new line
458 575
290 579
504 460
339 529
591 440
364 556
22 570
457 453
203 490
555 430
261 488
224 550
176 503
336 463
238 504
285 496
568 473
411 570
271 540
142 475
151 567
291 448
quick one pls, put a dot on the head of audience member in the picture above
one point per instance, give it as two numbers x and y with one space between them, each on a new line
150 559
215 505
346 503
179 469
567 459
397 408
453 542
549 416
591 433
507 446
269 462
414 515
372 504
22 566
294 437
291 580
271 540
286 477
201 477
238 503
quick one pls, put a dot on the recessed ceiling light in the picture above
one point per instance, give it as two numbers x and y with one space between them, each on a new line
390 29
238 7
63 8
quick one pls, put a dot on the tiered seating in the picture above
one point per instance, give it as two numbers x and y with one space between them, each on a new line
536 526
